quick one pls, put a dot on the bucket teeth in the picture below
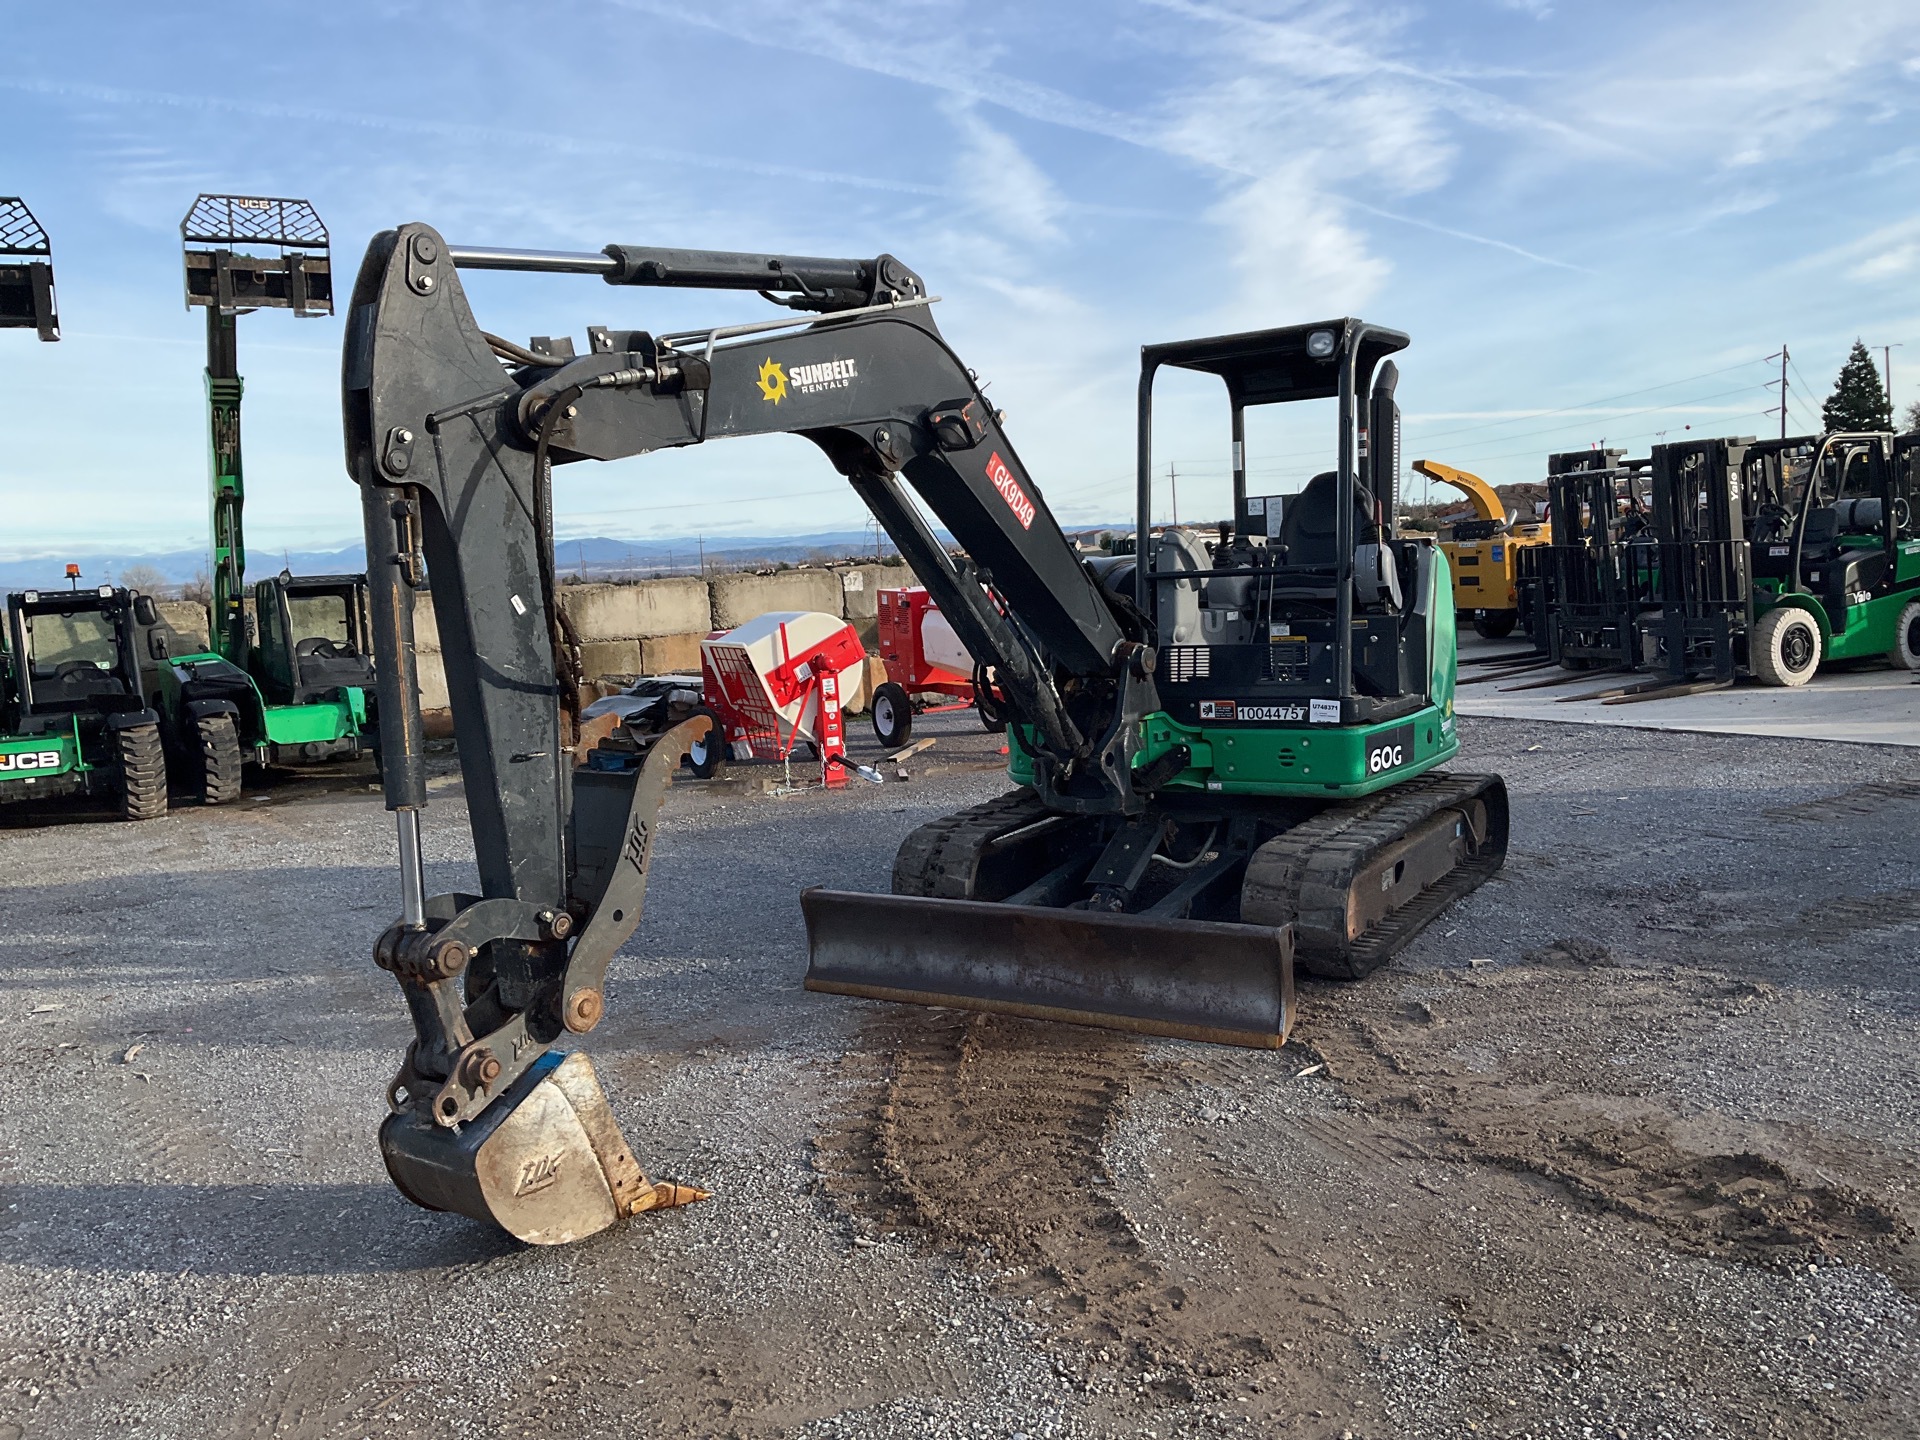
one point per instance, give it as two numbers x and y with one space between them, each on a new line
665 1195
546 1162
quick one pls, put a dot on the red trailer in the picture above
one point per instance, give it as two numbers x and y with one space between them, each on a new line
924 657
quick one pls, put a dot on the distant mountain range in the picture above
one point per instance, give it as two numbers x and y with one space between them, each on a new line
595 557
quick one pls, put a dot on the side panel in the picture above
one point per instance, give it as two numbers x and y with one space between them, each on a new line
38 757
1443 644
321 722
1305 762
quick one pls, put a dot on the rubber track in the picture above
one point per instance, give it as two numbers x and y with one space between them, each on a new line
940 859
221 764
1306 875
143 772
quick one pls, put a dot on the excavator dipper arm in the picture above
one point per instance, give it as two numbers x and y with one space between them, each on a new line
452 435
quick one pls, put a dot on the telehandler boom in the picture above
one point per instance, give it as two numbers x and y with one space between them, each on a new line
295 692
1226 756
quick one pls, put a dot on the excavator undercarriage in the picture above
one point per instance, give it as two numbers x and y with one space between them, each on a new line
1228 756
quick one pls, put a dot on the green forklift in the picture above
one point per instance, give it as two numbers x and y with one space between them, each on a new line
1778 556
73 720
1836 556
291 687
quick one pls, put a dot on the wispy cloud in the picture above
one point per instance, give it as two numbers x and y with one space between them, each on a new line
1002 183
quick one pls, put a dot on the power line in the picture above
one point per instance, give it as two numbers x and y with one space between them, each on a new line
1606 400
1677 409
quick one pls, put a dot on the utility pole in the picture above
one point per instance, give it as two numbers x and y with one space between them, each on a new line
1886 372
1173 483
1783 389
701 542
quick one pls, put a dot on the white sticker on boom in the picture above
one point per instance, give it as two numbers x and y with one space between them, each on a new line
1325 712
519 605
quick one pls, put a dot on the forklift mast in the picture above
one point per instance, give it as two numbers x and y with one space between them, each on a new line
26 272
229 282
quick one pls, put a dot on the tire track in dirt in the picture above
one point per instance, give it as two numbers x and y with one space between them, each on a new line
991 1136
988 1134
1630 1156
1849 804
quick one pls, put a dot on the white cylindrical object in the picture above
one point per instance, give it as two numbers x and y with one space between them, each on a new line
941 646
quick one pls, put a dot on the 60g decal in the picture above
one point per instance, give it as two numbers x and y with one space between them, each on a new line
1389 750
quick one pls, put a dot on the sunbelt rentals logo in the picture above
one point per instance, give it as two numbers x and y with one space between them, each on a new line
778 382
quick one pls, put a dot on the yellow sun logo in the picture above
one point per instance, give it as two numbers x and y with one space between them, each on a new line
773 382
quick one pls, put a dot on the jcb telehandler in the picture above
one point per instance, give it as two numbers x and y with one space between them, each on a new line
1227 758
73 717
295 692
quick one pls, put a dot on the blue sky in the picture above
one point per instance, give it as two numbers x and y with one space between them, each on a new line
1595 220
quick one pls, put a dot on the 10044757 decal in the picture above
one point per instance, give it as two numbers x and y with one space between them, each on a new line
1247 712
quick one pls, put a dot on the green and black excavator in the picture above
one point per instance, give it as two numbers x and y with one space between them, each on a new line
73 720
1227 752
294 691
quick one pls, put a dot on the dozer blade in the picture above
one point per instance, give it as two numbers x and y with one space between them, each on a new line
1192 979
545 1162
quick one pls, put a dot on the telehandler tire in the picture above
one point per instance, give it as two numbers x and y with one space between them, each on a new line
1905 654
1784 648
221 764
143 772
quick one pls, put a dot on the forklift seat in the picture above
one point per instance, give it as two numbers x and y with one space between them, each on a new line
1823 525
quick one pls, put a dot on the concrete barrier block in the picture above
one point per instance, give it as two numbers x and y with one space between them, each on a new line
671 654
677 606
860 587
861 684
611 657
426 628
738 598
433 683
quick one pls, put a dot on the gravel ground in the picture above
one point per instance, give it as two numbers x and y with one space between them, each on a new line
1624 1146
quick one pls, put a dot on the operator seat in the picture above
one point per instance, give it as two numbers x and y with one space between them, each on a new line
1309 536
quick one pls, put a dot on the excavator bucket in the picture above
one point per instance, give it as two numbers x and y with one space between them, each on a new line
1194 980
546 1162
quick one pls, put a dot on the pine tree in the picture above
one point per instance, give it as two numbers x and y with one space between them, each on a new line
1859 400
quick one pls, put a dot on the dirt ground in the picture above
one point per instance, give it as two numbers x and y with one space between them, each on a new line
1626 1145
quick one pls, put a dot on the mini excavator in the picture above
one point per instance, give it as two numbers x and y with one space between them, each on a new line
1227 753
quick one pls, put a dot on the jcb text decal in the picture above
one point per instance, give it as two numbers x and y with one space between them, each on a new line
23 760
